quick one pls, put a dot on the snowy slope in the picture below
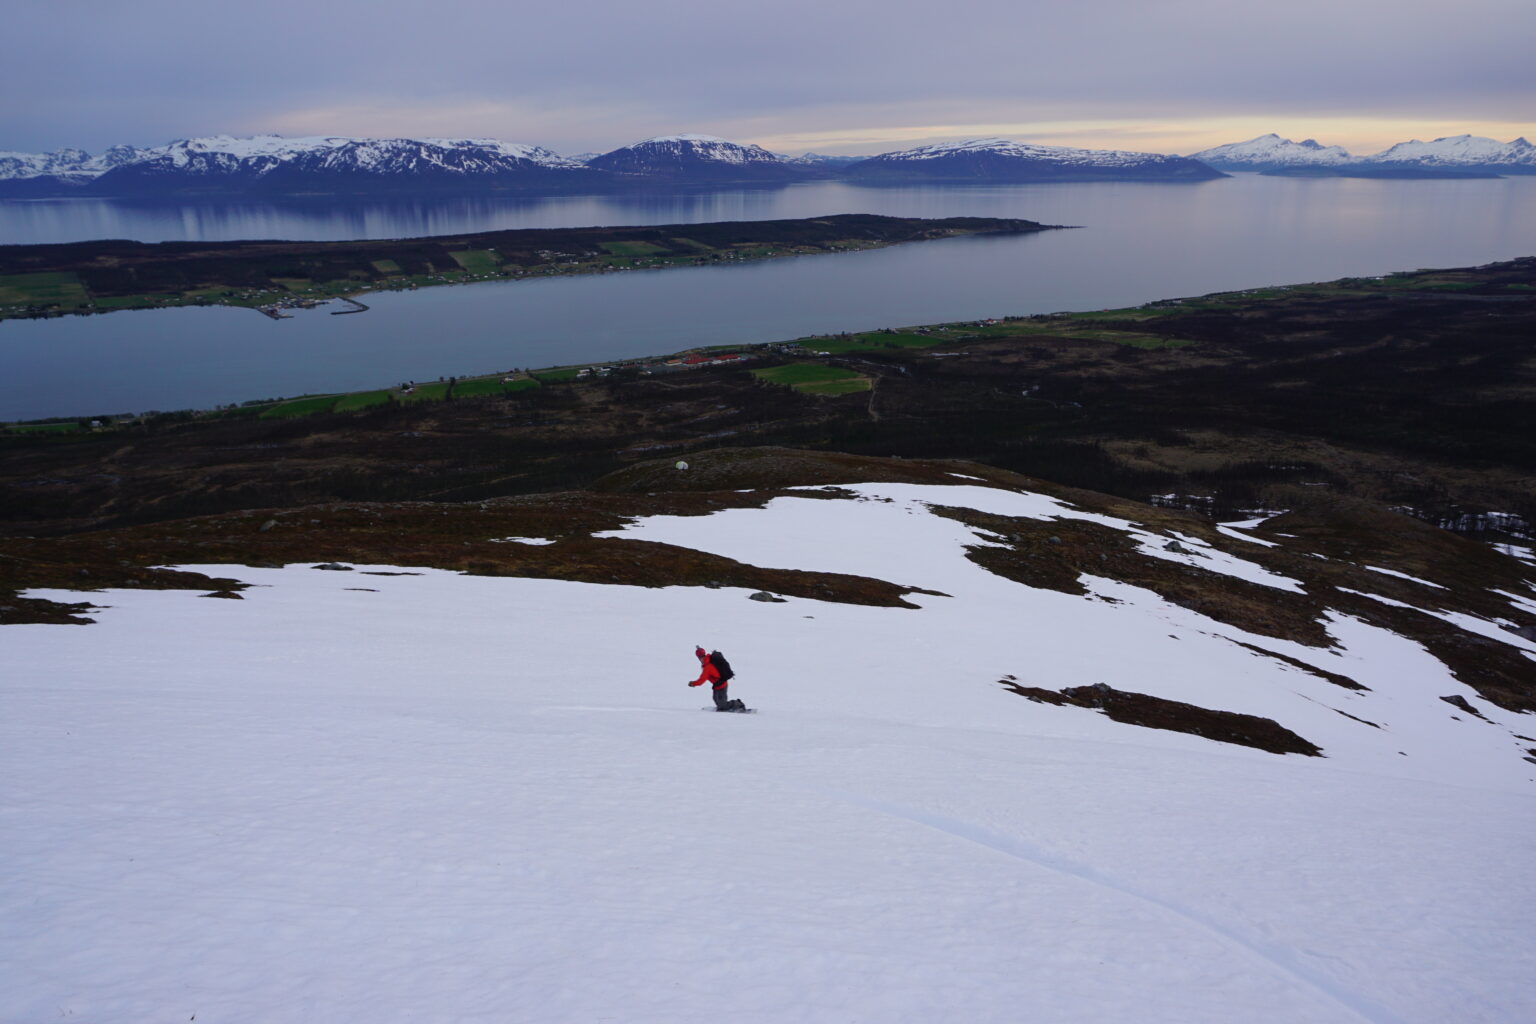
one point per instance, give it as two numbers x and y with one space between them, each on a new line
353 797
1004 159
1267 152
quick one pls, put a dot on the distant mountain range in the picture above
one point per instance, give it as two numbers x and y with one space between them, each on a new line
272 164
223 165
1455 156
330 165
1005 160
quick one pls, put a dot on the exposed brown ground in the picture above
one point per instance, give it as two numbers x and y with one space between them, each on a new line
1176 716
1330 547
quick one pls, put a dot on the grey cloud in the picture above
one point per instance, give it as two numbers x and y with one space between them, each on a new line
96 73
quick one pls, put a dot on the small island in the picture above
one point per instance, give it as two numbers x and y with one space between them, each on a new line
272 276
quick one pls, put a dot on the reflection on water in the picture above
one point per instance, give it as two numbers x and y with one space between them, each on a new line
62 220
1138 242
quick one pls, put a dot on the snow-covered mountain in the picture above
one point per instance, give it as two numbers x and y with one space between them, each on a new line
1463 151
1451 156
64 171
1005 160
1268 152
697 158
998 771
332 163
31 165
71 162
823 160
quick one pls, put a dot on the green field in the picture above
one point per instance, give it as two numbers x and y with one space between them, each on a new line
57 287
363 400
477 261
846 386
386 266
300 407
815 378
310 405
44 428
633 248
491 386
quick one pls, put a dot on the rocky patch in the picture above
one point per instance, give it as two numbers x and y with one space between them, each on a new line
1175 716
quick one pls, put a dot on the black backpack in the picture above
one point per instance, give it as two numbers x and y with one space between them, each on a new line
722 666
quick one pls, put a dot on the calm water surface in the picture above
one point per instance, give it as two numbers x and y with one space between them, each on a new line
1137 242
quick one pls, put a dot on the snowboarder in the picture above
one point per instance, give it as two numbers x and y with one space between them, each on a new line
717 680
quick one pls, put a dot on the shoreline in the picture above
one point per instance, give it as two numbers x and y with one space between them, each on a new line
820 347
1403 286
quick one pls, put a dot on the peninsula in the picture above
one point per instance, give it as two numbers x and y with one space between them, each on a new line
108 275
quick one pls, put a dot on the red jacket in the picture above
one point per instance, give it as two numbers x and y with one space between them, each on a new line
710 675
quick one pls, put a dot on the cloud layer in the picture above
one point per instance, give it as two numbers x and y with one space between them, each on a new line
848 75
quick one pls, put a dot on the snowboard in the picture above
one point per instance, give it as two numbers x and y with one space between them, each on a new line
733 711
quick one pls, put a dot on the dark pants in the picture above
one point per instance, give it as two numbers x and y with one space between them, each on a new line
722 703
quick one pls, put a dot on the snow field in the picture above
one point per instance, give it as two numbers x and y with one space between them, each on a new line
989 627
452 798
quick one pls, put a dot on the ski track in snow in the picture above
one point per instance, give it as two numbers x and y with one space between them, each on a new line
1280 958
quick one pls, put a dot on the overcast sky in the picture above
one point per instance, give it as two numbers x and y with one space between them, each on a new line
836 76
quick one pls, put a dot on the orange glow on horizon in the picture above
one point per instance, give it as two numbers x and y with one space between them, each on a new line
1361 136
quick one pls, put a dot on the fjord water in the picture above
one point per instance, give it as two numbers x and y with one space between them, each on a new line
1134 242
